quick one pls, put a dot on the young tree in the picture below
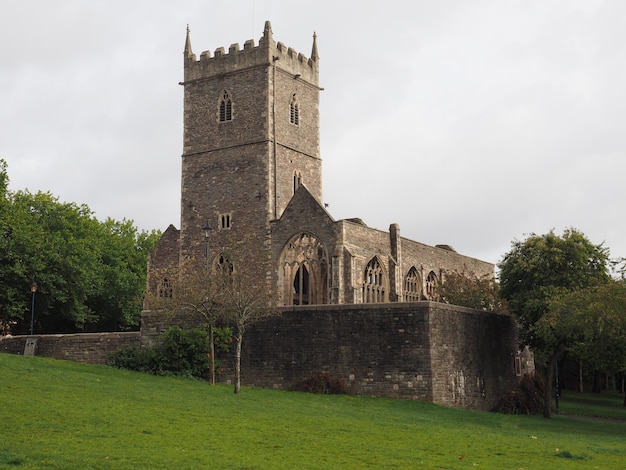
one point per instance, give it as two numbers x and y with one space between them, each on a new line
246 293
193 295
540 268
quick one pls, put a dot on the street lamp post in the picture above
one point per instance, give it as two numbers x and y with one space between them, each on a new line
207 231
33 289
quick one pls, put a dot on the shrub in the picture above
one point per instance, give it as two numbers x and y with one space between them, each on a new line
526 399
182 353
323 383
137 359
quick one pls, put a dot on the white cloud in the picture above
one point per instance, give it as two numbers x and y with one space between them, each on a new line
468 123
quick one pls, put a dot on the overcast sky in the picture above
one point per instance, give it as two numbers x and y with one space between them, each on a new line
469 123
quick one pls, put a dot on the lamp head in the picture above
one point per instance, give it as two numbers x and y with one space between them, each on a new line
207 229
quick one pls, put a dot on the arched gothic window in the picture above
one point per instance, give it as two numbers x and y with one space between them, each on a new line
431 286
226 107
165 289
304 271
375 284
412 286
294 111
224 265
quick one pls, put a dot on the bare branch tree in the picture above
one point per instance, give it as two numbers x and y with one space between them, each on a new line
191 294
247 295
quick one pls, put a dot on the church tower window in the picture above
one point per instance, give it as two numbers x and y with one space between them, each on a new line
294 111
225 221
226 107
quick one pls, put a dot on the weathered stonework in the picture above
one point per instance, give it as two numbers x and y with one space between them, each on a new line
93 348
352 294
248 162
424 350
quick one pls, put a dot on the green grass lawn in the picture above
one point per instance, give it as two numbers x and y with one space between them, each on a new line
66 415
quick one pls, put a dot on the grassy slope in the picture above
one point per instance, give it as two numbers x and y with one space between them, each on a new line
67 415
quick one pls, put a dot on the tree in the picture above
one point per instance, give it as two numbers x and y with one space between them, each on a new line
122 254
194 295
90 275
539 269
470 290
589 324
247 296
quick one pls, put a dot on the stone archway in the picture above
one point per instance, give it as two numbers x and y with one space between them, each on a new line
303 271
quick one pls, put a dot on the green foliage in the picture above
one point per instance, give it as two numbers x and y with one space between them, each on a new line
322 383
84 416
182 353
470 290
90 274
590 323
137 359
542 266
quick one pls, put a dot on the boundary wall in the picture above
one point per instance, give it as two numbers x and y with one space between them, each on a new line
93 348
431 351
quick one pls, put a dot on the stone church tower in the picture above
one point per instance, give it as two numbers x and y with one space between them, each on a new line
251 137
251 167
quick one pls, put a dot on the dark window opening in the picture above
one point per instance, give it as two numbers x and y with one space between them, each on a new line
226 107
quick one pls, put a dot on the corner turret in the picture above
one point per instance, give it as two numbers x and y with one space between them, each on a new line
188 53
314 55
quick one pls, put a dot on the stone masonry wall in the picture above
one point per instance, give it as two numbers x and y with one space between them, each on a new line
465 344
423 350
93 348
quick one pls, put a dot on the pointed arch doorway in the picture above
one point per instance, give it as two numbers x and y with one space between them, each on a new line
303 273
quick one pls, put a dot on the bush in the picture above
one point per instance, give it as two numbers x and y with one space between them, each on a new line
322 383
182 353
137 359
527 399
185 352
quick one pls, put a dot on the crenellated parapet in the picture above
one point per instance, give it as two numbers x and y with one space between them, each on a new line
267 53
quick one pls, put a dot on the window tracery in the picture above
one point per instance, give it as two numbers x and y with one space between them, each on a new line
304 271
165 289
375 283
225 107
412 286
224 265
431 286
